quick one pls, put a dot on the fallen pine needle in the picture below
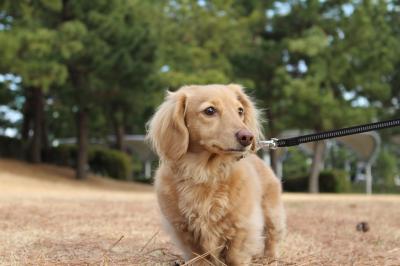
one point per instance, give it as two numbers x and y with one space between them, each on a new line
148 241
116 242
217 259
106 258
199 257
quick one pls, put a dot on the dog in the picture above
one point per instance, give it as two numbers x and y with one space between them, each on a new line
217 197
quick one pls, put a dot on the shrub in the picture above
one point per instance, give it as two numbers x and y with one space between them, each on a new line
329 181
297 184
359 187
111 163
11 148
334 181
102 160
64 155
386 168
142 179
296 163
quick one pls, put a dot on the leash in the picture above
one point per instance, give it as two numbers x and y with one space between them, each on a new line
277 143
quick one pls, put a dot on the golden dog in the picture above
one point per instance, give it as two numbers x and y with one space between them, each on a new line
216 196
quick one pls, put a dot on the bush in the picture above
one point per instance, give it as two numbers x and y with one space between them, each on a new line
297 184
334 181
64 155
359 187
111 163
296 163
386 168
329 181
102 160
11 148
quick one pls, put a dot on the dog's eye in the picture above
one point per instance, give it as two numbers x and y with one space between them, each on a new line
241 111
210 111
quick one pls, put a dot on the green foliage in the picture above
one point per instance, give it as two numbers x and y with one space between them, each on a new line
298 184
64 155
8 49
7 99
37 65
31 47
359 187
128 74
310 64
312 42
330 181
316 66
340 157
334 181
102 160
386 168
110 162
196 42
296 164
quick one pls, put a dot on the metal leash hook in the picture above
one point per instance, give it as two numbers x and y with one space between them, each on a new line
271 144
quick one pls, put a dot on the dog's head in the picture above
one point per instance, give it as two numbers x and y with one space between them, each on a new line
219 119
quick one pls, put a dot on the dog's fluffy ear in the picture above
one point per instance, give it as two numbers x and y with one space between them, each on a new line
251 115
167 131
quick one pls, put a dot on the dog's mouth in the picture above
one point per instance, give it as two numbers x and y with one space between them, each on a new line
229 150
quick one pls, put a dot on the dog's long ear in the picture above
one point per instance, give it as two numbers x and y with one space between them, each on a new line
167 131
251 115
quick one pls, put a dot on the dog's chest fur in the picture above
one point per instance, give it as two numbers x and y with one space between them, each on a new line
205 208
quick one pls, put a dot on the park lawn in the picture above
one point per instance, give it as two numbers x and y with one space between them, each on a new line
48 218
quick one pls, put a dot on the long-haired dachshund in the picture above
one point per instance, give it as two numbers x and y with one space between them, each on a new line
215 194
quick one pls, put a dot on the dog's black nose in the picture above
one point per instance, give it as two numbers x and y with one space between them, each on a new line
244 137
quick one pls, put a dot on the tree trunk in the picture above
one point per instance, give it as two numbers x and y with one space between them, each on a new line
313 184
38 110
45 138
117 121
82 125
119 137
27 115
119 132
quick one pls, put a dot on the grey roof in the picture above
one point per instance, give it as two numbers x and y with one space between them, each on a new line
138 145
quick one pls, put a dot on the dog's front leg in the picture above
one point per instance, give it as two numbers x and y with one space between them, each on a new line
274 218
238 251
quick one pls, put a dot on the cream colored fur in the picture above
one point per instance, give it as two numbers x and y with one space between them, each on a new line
215 195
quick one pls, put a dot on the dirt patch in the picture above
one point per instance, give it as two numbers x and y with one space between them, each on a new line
48 218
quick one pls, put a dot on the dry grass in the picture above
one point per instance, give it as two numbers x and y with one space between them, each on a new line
47 218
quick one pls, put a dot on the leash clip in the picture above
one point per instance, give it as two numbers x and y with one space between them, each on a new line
271 144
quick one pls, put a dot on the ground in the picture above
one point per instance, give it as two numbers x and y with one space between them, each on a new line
48 218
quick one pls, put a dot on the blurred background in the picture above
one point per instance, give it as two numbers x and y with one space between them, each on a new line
79 80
